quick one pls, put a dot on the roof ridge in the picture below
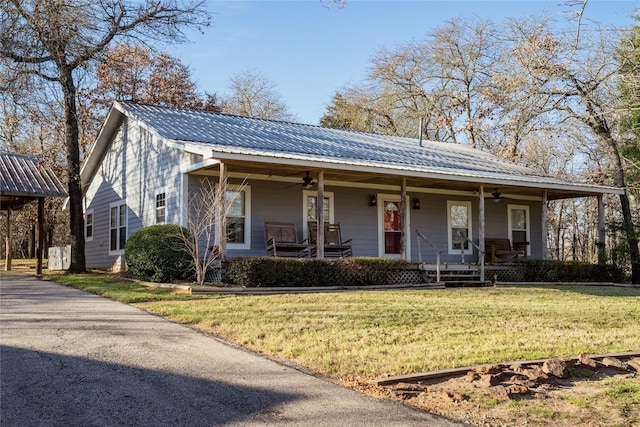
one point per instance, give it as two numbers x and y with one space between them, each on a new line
288 122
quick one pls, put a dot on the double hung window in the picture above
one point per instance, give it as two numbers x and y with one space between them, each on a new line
238 218
459 227
117 227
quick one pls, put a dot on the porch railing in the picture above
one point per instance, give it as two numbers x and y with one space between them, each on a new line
430 243
464 238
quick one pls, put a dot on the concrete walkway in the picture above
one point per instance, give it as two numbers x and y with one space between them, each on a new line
70 358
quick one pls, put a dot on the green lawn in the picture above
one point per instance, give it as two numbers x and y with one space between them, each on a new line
397 332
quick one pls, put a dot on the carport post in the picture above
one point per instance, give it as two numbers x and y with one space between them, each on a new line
39 235
7 265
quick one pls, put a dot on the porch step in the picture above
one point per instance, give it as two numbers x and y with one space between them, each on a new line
456 275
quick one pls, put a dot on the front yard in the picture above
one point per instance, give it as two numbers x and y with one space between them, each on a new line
354 337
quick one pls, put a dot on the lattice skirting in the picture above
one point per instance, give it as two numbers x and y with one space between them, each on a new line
408 276
504 274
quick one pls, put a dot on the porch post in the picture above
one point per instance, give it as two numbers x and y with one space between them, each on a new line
544 225
39 235
320 216
403 219
221 232
601 231
481 220
7 265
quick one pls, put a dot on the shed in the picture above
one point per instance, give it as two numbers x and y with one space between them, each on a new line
24 179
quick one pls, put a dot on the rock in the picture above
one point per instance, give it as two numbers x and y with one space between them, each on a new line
587 362
556 367
612 362
453 397
472 376
491 380
517 368
409 387
536 375
519 379
516 389
407 390
489 369
635 364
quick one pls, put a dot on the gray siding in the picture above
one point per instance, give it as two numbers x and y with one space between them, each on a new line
272 201
133 170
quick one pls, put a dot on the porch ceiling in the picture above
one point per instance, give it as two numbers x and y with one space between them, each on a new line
288 173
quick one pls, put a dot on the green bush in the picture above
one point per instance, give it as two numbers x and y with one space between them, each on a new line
156 253
296 272
538 270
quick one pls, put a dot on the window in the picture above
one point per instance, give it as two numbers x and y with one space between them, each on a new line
519 224
117 227
88 225
459 222
161 208
238 217
310 208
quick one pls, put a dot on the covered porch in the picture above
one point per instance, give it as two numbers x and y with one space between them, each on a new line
408 190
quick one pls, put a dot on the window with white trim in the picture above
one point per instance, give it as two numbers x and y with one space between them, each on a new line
117 227
161 208
459 223
519 224
238 203
88 225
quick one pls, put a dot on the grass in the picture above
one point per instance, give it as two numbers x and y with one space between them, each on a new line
622 390
120 290
398 332
374 333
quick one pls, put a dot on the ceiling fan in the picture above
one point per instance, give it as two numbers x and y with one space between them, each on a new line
307 181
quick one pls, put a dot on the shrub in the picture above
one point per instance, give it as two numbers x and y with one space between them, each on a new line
538 270
156 253
296 272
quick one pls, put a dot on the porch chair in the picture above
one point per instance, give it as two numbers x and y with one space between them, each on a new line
281 239
499 250
334 246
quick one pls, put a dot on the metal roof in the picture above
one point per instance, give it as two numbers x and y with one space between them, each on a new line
258 141
251 136
23 178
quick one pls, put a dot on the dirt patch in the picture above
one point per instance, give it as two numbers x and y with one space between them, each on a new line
560 393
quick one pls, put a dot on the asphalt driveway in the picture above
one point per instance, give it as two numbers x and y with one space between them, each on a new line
70 358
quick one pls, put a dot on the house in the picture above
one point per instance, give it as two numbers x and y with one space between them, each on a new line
384 191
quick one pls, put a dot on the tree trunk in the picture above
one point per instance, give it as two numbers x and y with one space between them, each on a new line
78 262
625 204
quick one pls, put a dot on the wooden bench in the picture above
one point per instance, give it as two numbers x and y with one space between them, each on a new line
281 239
498 250
334 246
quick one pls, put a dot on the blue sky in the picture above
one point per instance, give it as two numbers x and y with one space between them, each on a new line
311 51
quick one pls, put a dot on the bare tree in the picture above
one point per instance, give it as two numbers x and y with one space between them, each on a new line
252 94
580 82
209 205
56 40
